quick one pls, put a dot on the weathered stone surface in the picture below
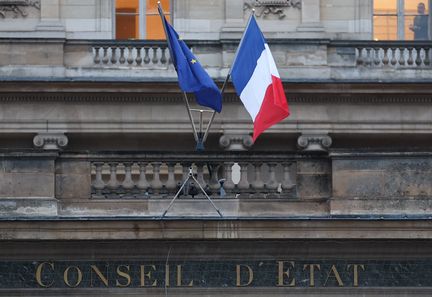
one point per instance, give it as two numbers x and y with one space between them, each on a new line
26 177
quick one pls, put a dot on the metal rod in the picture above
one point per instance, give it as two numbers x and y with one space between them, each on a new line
205 193
201 123
214 112
190 116
175 197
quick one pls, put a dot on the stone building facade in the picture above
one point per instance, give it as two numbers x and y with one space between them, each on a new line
95 141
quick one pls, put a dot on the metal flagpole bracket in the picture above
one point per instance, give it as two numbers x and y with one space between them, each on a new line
190 176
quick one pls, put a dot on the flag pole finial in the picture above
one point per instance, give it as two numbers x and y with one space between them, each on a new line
253 11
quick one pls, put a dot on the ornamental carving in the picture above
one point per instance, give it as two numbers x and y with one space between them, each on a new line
264 8
15 8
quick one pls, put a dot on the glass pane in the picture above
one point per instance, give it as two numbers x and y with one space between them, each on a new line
385 28
416 27
152 6
154 27
416 7
127 6
127 26
385 6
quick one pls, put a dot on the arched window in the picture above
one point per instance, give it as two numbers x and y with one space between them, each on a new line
139 19
401 19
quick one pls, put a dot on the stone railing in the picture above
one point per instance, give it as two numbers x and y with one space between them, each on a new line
297 59
407 54
221 176
131 53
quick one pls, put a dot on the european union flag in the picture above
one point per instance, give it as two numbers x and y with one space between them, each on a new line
191 76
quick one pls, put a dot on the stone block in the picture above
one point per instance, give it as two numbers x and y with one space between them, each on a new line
24 185
26 177
73 179
313 186
361 183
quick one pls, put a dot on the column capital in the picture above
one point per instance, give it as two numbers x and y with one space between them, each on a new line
50 141
314 142
235 142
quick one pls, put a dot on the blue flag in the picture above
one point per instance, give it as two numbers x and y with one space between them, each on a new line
191 75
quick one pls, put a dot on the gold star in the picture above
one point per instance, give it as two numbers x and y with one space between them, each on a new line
193 61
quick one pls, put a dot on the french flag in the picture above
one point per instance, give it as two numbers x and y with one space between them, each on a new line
257 81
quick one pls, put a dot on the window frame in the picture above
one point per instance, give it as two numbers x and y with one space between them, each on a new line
400 15
142 8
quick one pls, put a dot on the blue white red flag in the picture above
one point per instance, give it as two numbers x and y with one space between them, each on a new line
257 81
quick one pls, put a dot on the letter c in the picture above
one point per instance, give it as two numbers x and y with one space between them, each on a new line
39 274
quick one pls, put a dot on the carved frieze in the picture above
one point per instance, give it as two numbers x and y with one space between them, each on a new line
16 8
264 8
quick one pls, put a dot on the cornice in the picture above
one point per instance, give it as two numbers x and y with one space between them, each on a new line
230 97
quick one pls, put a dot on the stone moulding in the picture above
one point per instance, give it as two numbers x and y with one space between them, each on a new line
17 7
271 7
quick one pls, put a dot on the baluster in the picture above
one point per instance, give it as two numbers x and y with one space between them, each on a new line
138 58
272 183
214 183
113 55
105 55
401 56
163 57
229 184
130 59
368 61
377 59
98 184
393 59
143 184
113 183
243 183
156 183
200 175
128 182
146 55
360 56
418 59
410 56
155 59
287 183
427 58
258 183
386 57
122 58
171 183
96 58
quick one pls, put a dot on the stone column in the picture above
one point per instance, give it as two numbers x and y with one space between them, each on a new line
51 19
310 17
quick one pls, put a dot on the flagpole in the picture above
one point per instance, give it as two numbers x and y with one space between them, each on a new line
228 75
161 14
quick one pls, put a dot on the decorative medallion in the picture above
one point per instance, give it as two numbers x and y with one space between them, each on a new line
271 7
17 7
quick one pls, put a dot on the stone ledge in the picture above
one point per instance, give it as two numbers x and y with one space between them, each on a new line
210 229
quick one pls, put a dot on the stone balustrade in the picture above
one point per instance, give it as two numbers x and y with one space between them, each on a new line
131 53
394 55
296 59
242 177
